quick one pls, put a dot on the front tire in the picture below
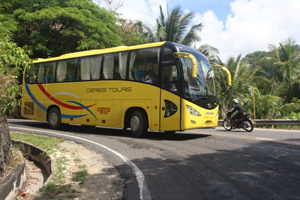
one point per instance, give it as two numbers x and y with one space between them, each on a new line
247 125
227 124
54 118
138 123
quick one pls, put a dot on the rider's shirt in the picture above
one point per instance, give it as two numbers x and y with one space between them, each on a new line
239 108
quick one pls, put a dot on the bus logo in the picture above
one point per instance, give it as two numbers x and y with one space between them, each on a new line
103 111
209 113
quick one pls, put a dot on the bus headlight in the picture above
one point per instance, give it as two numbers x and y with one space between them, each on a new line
192 111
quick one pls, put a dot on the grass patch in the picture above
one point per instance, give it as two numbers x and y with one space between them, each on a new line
82 166
44 142
80 176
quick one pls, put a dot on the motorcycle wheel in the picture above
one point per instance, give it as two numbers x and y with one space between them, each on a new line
247 125
227 124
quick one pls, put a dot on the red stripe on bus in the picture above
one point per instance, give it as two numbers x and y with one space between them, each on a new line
59 102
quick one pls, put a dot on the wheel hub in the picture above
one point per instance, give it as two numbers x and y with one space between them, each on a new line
135 123
53 118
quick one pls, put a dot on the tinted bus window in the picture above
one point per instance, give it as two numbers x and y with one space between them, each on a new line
141 62
89 68
170 79
31 74
41 74
66 70
168 54
46 72
108 69
114 66
122 64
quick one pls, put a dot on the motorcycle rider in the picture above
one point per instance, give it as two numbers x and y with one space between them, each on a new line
240 112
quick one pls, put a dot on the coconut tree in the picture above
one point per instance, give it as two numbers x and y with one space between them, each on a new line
175 26
286 62
241 75
269 102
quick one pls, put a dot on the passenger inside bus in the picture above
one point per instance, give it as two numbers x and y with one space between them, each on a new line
149 76
117 73
139 74
71 78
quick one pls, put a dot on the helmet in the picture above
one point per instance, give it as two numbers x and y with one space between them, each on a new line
235 101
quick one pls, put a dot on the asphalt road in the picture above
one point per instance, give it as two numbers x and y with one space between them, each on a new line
198 164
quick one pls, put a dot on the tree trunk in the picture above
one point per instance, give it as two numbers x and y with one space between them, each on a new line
5 144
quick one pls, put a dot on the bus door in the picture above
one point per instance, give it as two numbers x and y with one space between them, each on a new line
170 98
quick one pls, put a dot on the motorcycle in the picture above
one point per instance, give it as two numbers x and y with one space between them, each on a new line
245 122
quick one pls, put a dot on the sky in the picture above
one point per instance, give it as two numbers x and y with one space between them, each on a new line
233 26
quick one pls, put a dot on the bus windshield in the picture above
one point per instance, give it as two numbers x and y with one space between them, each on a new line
204 84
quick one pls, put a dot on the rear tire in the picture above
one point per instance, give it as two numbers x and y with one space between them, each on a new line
247 125
227 124
138 123
54 118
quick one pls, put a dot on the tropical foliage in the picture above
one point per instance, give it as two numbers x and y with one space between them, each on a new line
173 27
13 59
51 28
274 75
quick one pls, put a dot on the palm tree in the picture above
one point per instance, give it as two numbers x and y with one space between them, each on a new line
269 104
173 27
286 61
242 75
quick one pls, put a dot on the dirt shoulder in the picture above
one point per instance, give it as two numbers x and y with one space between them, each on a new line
102 182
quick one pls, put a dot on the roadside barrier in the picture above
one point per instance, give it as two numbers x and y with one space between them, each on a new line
270 122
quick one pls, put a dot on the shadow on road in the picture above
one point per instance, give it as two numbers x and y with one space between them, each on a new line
263 170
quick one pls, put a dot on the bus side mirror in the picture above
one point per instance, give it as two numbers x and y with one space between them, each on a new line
192 58
226 70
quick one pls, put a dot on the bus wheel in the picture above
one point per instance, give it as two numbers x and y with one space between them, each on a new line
138 123
54 118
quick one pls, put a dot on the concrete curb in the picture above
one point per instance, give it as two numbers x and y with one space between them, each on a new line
14 182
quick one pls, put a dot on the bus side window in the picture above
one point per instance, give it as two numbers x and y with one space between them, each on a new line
108 68
96 64
141 61
71 70
168 54
66 70
31 74
116 75
50 72
61 72
170 80
41 74
89 68
46 72
122 64
84 69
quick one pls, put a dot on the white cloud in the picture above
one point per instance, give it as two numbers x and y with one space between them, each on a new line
144 10
251 26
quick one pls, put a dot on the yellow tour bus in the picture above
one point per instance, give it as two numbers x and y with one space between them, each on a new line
161 86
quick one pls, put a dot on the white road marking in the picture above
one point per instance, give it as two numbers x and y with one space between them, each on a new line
144 192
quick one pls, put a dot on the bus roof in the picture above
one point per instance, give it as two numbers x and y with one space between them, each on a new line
99 51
